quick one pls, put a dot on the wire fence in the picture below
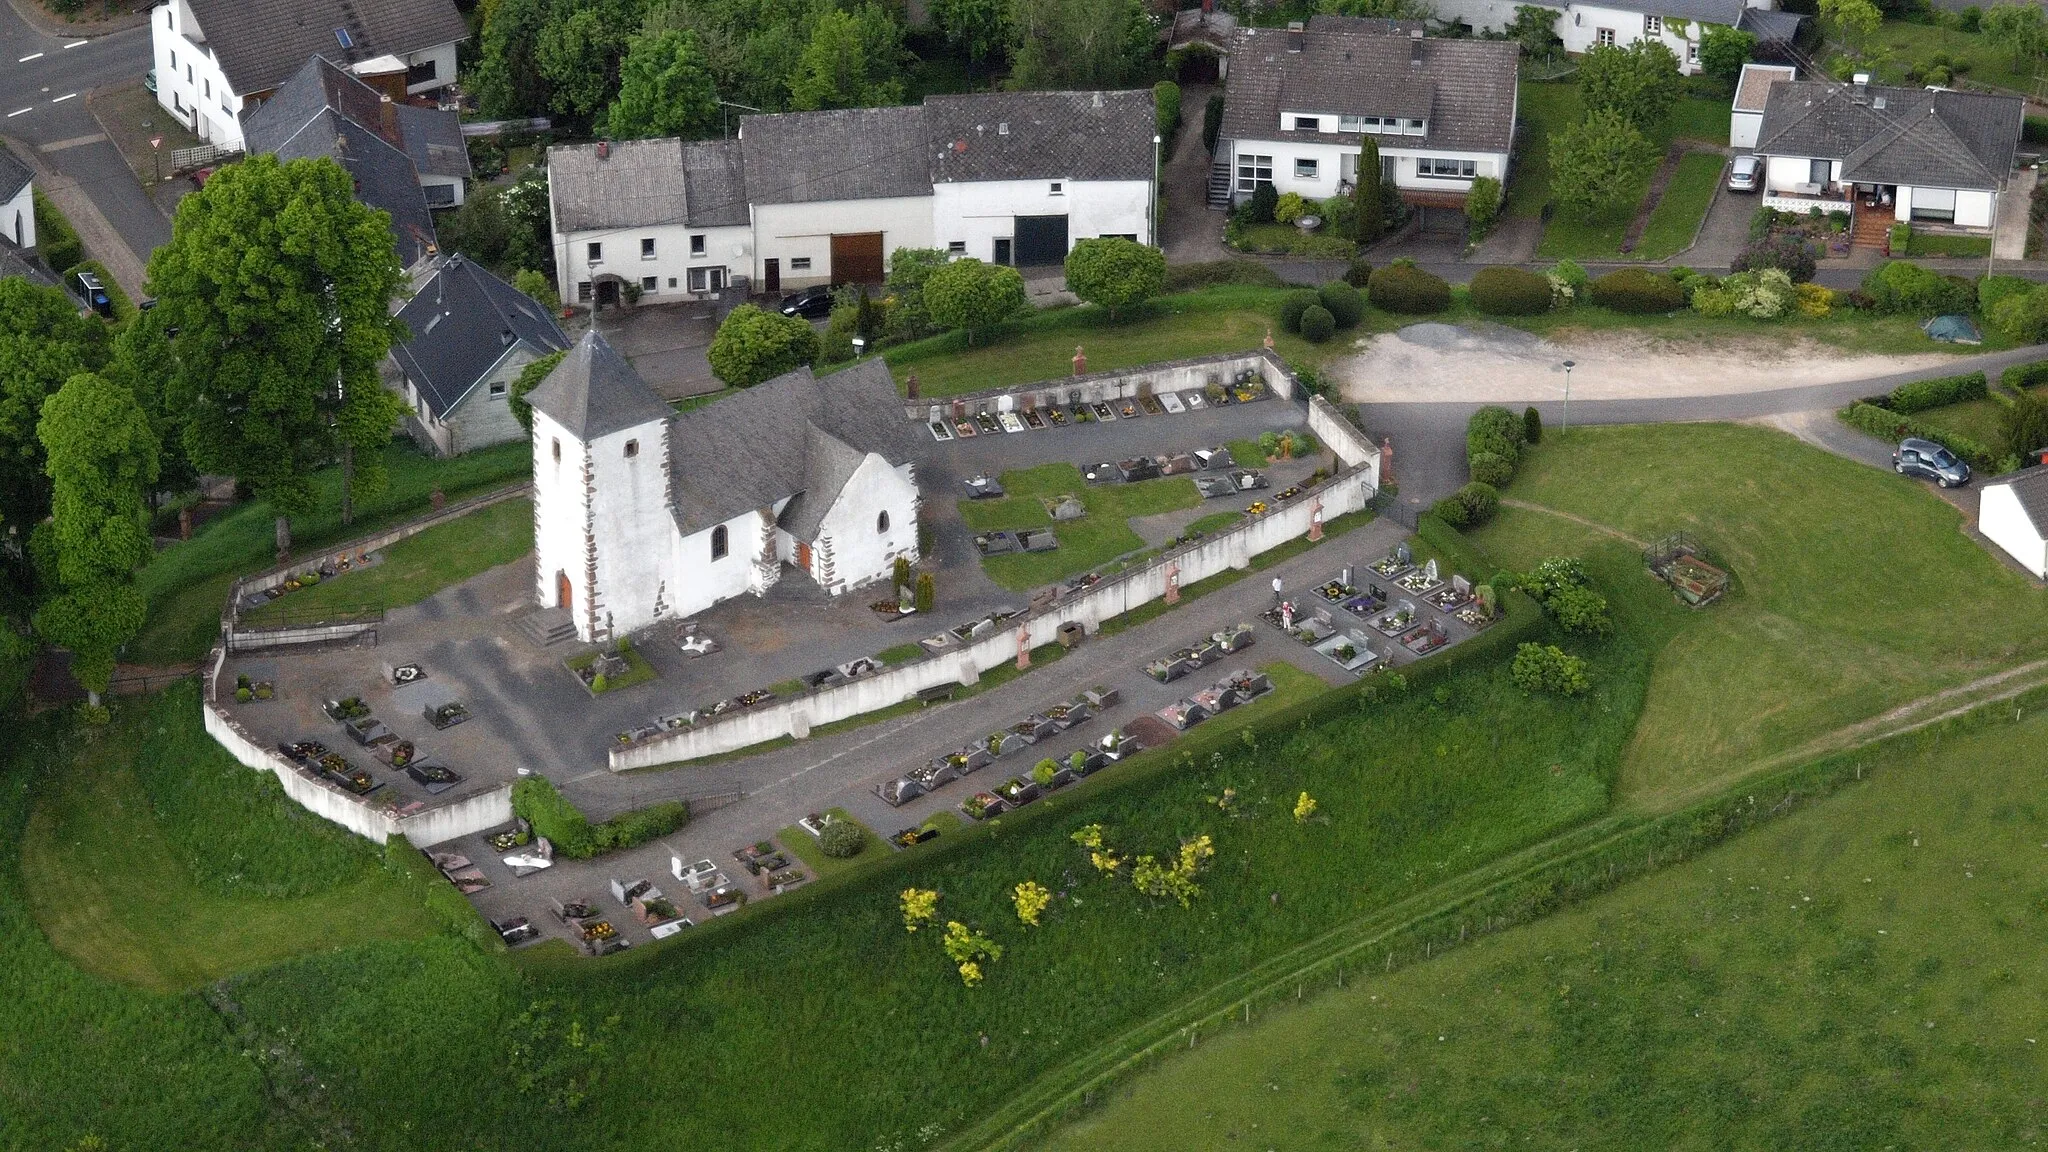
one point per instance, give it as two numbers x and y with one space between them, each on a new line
278 617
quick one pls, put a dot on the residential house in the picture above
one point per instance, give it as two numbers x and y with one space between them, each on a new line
1300 100
2013 514
1679 25
808 198
215 58
17 202
1931 156
642 514
1752 89
471 334
405 160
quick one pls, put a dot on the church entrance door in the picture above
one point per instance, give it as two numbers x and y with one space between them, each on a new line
563 597
803 556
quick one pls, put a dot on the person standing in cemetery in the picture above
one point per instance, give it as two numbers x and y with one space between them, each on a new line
1276 591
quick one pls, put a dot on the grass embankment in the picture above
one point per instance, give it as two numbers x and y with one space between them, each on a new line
416 567
1859 974
1093 540
1549 107
188 582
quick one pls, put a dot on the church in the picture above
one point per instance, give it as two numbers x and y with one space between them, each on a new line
643 514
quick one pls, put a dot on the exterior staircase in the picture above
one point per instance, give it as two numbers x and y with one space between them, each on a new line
548 627
1219 185
1869 227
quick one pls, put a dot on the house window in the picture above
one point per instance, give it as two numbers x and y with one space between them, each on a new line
1604 36
188 73
595 251
650 283
1253 171
671 281
632 449
1350 123
583 291
1131 236
558 450
1454 169
707 279
1415 128
954 248
1692 52
799 263
881 523
1306 170
174 56
1308 124
497 389
208 85
697 244
1056 189
1653 25
718 542
647 247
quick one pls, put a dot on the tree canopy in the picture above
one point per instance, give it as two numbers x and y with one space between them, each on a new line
1598 165
853 60
43 343
1114 272
754 344
1639 82
972 295
1724 50
1079 44
2019 29
665 89
979 28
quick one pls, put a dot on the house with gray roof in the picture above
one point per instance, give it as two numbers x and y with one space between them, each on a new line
1932 157
216 58
642 514
17 202
804 198
1300 100
470 335
1679 25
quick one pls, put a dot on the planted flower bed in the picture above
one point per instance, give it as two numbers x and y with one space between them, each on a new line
982 805
446 715
433 777
1396 621
1426 639
1392 564
1019 792
346 709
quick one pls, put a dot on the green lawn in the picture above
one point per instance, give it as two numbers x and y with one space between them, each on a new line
1677 216
1811 636
808 850
1214 522
1899 43
1040 347
1085 544
1974 419
1925 244
1862 974
1548 107
417 567
187 582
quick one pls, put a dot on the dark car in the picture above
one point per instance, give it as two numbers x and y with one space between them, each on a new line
1931 461
811 303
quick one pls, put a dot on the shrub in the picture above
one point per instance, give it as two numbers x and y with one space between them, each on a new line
1452 511
1813 301
1294 304
1406 289
1532 425
753 345
1490 468
1992 289
1481 501
1899 287
1637 291
1482 205
1580 609
638 826
1504 290
842 839
1345 304
927 592
1212 121
1259 209
1289 208
2024 376
1358 275
1166 98
2022 318
1567 283
1765 295
535 801
1340 216
2023 427
1548 668
1794 255
2035 130
1920 395
1317 324
1114 273
1494 429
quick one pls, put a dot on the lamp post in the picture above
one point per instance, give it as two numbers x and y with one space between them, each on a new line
1566 425
1155 190
860 347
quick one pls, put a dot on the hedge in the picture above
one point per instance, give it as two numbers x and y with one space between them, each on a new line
1504 290
1166 97
1294 304
1901 287
1453 549
1407 289
2021 377
57 241
1886 424
1317 324
536 801
1490 468
1636 291
1920 395
1187 277
1992 289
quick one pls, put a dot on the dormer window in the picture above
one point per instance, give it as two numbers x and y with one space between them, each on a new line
1350 123
1308 124
1414 127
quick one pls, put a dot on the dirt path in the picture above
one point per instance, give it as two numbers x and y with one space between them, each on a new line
1595 525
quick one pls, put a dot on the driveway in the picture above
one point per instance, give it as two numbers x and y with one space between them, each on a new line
1725 234
1191 232
666 344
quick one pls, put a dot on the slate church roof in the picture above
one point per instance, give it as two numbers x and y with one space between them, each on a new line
1887 135
594 392
259 43
463 321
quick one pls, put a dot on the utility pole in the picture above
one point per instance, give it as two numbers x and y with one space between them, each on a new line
1566 425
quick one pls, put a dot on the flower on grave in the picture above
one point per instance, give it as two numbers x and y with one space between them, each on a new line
1304 808
920 907
1031 899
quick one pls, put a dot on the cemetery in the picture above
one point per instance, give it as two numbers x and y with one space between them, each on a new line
1340 627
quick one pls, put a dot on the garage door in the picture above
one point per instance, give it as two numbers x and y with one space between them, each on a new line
857 258
1041 241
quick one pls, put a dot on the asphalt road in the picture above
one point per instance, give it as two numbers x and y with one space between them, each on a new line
43 83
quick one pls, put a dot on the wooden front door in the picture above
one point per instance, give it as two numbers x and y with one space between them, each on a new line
771 276
803 556
564 597
857 258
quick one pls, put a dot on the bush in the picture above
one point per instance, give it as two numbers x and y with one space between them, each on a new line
1482 205
1451 511
2021 377
1920 395
1340 216
1504 290
1289 208
1567 283
1317 324
1637 291
842 839
2022 318
1345 304
1494 429
1532 425
57 241
2023 427
1548 668
1992 289
1794 255
1259 209
1187 277
1480 501
1813 301
1166 97
1359 274
1491 468
536 801
1560 584
638 826
1294 304
1406 289
1899 287
1765 295
2034 130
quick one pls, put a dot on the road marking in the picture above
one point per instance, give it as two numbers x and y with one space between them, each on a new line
29 57
64 97
74 142
19 111
76 44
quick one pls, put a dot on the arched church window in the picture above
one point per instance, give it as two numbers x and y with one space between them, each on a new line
718 542
882 523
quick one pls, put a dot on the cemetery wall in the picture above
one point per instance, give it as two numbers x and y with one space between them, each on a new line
1348 492
1353 448
263 582
248 639
1124 383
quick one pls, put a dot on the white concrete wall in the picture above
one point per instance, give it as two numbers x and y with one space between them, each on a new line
1742 128
861 554
443 56
189 82
560 516
2005 524
1973 209
1579 28
978 212
730 248
789 232
634 530
1784 172
18 218
1330 164
702 581
1126 383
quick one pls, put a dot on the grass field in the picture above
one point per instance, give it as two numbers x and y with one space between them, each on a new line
1677 216
1989 62
1085 544
419 566
1925 244
1822 628
1862 974
1974 419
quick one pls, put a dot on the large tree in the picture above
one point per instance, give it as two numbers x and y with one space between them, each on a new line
1599 165
1724 50
142 363
102 464
665 89
971 295
1639 82
754 344
1080 44
979 28
854 60
1115 273
43 342
2019 29
280 283
508 78
1854 19
578 54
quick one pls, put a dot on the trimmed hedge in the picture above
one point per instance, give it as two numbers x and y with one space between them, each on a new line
1637 291
1186 277
1920 395
57 241
1504 290
2021 377
1317 324
1345 304
1886 424
1899 287
1294 304
1470 506
1408 290
1454 549
1489 468
124 308
536 801
1166 100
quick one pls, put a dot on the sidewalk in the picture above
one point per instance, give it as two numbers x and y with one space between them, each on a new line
101 241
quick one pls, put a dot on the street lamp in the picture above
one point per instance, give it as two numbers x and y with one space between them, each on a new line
1566 425
860 346
1155 191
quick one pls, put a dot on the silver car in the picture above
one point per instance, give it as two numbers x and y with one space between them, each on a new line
1743 175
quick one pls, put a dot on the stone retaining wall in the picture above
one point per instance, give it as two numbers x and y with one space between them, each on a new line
1122 384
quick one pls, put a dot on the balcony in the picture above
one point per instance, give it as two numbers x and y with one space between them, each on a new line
1807 198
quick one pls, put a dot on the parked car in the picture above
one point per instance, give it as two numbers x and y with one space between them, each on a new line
149 80
1926 459
1743 174
810 304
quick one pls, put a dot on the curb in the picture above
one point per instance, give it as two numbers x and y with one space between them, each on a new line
33 15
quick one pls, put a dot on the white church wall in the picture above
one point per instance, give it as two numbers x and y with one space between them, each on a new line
862 551
558 515
702 581
634 529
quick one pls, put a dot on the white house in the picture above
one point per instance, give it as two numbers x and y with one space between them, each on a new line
1752 89
214 57
1934 157
17 202
1299 100
470 335
807 198
1679 25
642 515
2013 514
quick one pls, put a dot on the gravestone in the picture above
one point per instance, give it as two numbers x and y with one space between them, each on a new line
1403 554
1006 403
1461 586
1429 572
1069 508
